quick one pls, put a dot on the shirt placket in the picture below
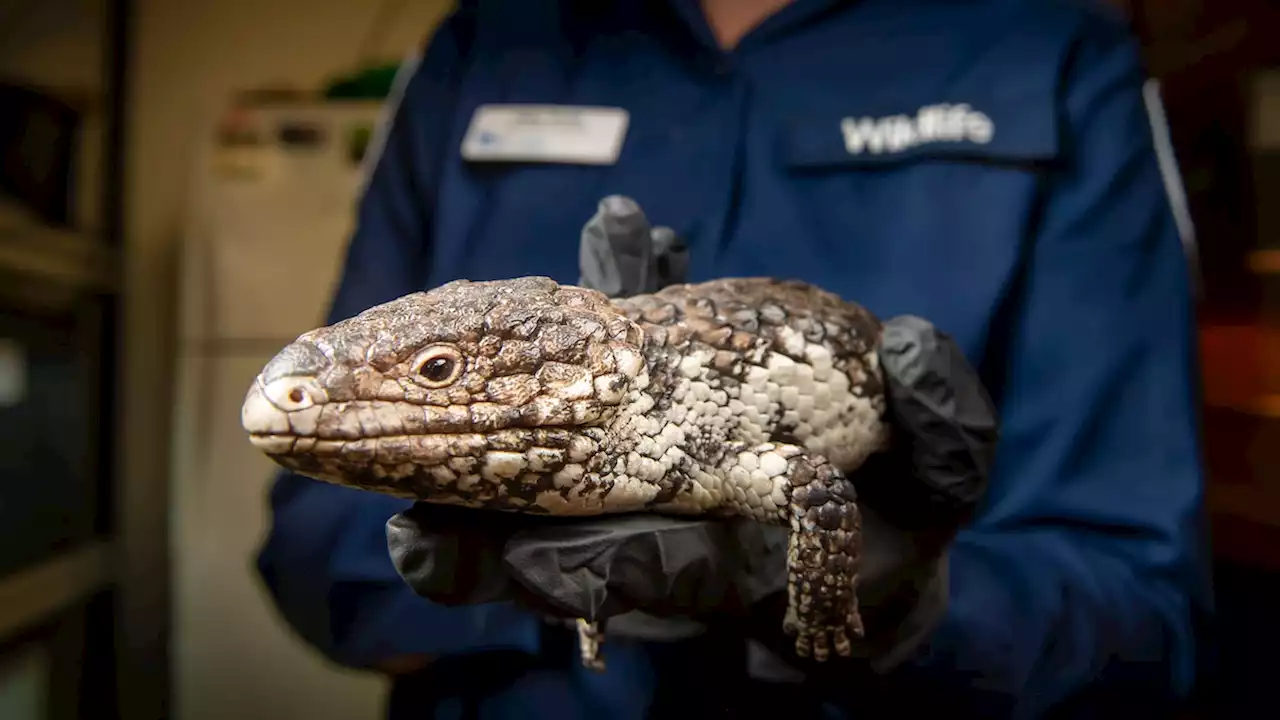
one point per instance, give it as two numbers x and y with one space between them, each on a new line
724 177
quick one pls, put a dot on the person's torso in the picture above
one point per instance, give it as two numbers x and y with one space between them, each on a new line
894 153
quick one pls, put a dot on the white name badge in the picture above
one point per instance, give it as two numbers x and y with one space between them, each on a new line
566 134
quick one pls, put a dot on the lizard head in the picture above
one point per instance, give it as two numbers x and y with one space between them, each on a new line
474 393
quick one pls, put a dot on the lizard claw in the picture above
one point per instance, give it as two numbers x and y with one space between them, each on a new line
589 638
818 640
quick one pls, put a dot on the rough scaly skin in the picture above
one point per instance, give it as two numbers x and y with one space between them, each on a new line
749 397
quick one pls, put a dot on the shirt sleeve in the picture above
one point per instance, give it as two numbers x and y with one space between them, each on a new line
325 561
1083 580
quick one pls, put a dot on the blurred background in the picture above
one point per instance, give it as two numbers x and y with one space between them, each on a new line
165 165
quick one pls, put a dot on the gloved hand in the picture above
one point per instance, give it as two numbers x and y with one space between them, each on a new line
620 254
665 578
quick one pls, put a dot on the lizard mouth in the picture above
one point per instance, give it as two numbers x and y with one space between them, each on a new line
544 456
532 469
295 424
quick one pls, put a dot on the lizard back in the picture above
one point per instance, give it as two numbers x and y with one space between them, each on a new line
737 362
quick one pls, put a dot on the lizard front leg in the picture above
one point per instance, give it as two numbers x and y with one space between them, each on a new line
819 505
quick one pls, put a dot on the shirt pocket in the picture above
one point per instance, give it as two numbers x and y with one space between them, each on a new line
920 207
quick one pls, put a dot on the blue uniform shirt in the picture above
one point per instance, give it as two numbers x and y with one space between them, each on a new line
985 164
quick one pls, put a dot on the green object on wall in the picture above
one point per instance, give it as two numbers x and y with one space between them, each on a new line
372 83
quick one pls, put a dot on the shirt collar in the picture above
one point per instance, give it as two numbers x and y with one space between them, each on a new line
798 12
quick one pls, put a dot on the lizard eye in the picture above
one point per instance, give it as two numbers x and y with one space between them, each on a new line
438 365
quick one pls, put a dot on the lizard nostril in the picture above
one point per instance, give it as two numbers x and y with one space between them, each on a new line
291 394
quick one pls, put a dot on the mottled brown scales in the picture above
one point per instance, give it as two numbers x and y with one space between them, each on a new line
750 397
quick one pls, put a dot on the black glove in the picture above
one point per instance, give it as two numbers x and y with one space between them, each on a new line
664 578
620 254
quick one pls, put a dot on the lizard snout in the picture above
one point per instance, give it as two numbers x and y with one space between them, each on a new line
274 408
285 393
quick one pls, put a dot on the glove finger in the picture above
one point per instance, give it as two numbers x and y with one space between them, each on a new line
662 566
948 429
451 556
671 259
615 248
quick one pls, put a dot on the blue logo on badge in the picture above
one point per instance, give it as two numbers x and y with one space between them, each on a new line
487 138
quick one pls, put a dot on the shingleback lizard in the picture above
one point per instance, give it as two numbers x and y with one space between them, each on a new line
737 397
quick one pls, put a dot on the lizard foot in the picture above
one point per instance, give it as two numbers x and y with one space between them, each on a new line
590 636
823 557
